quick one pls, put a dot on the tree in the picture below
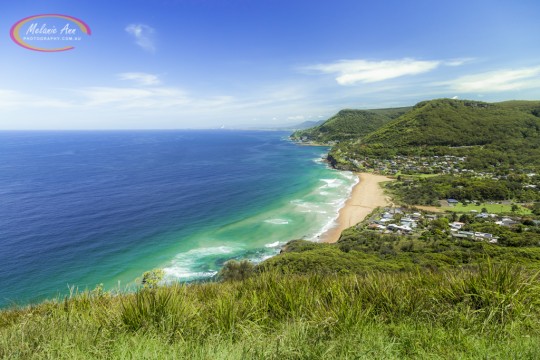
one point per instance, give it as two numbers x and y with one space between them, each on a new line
152 278
234 270
515 208
440 224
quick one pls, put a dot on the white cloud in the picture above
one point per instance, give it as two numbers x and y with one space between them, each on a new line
350 72
296 117
497 81
134 97
457 62
16 99
152 99
144 36
140 78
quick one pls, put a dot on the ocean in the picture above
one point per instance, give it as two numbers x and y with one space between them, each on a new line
82 208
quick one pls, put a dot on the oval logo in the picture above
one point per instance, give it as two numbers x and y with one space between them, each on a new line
49 32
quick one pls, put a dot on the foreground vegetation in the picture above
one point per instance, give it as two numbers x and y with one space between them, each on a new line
486 311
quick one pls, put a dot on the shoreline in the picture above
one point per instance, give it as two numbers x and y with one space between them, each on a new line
365 197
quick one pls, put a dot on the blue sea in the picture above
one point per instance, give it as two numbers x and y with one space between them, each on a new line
82 208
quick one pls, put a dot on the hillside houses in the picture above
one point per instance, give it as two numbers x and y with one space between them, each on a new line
410 222
447 164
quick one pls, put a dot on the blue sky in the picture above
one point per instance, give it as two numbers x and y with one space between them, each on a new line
256 63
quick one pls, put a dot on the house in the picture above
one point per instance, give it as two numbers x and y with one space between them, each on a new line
410 223
452 202
395 227
376 227
456 225
465 234
482 236
506 222
416 215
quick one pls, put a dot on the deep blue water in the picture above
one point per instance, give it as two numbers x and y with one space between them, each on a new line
82 208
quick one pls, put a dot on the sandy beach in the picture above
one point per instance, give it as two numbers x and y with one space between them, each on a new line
365 197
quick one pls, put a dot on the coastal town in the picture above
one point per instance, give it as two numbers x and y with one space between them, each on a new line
414 222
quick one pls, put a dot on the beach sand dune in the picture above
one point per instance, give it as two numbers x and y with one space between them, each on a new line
365 197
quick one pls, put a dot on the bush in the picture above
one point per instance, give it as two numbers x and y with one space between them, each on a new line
234 270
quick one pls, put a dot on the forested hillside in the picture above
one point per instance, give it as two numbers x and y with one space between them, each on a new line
489 136
349 124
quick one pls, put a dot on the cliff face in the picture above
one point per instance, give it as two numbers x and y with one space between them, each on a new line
340 163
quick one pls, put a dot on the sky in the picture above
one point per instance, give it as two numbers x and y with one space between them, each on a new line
172 64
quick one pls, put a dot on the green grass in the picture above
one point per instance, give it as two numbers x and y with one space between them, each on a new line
422 176
491 208
486 312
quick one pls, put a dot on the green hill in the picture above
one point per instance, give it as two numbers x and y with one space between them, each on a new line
349 124
450 122
490 136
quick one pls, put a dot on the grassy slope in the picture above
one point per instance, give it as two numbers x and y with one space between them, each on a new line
486 312
348 124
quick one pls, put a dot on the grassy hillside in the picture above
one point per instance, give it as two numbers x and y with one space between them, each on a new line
490 311
348 124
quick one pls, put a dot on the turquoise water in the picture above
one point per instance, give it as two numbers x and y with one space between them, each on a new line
83 208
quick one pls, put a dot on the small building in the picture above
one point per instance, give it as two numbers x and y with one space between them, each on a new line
456 225
482 236
463 234
506 222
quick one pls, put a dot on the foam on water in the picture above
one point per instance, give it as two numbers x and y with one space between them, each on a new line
277 221
312 214
184 264
332 183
